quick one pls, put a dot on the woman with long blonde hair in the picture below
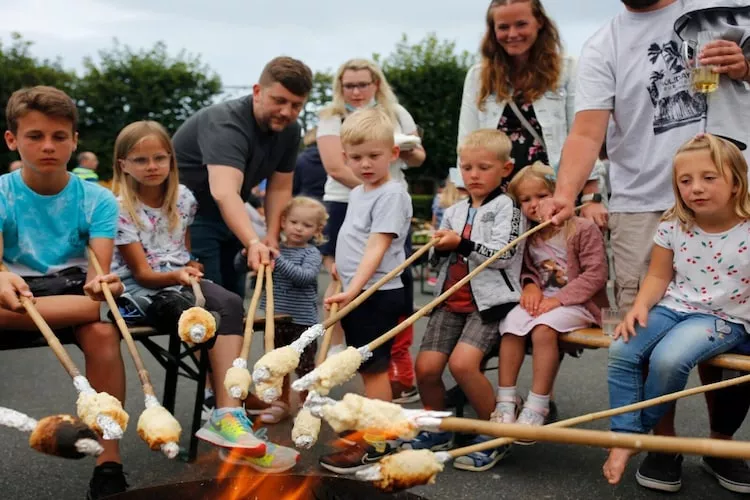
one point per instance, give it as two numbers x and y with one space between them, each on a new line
523 85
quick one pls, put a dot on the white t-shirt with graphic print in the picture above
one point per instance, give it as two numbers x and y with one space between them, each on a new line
632 67
711 271
163 248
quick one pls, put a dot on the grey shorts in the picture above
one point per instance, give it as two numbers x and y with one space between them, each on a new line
445 329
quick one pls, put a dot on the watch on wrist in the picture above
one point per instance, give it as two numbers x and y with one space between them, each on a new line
592 197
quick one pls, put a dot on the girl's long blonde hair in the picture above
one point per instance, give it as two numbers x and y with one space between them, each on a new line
127 187
384 95
539 75
546 175
450 195
724 155
312 205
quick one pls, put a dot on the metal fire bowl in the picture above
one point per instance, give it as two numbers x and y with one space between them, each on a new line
276 488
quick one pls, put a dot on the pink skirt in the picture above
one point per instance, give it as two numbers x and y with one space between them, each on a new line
562 319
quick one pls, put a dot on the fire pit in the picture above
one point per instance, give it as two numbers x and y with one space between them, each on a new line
271 487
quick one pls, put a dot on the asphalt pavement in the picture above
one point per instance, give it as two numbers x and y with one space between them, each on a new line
36 384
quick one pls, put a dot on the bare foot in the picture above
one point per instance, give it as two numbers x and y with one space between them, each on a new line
615 465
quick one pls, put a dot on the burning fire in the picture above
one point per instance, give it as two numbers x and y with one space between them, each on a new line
245 483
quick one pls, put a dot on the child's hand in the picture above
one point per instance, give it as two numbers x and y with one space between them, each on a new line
531 297
626 328
725 57
548 304
184 275
11 287
93 289
342 299
196 265
446 240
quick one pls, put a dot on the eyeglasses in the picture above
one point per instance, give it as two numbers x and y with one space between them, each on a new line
359 86
143 161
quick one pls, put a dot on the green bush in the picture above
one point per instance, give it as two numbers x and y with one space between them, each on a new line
422 206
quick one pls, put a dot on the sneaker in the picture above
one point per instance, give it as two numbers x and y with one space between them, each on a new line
480 461
505 413
357 457
209 404
277 458
661 471
108 479
433 441
732 474
403 394
530 416
232 429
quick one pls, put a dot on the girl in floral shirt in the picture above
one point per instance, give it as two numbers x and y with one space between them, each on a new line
153 260
692 304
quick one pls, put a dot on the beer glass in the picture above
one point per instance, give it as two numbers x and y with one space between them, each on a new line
702 77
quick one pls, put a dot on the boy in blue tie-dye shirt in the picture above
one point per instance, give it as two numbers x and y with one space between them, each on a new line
47 219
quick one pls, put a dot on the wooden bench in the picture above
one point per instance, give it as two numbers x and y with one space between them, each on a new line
178 360
594 338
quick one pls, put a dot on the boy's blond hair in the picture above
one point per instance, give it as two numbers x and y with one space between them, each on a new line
366 125
725 156
311 205
493 140
49 101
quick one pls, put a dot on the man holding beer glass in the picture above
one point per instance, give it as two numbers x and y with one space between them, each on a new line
632 71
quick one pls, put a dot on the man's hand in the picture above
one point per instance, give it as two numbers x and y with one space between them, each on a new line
726 58
447 240
258 254
596 213
342 299
184 276
556 208
11 287
531 296
93 289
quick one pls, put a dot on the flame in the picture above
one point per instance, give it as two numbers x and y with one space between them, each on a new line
245 483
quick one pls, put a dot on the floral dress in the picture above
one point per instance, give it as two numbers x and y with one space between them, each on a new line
525 149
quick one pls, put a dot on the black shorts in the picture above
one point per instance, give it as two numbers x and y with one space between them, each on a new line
374 317
68 281
285 334
336 214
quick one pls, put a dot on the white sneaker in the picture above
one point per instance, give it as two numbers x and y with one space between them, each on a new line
505 413
531 416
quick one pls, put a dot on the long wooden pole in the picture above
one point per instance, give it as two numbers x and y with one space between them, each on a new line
269 327
148 388
48 334
693 446
326 343
248 335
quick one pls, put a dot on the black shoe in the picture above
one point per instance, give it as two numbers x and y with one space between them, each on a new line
108 479
356 457
552 415
661 471
733 475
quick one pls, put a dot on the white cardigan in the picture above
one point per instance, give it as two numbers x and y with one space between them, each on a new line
554 111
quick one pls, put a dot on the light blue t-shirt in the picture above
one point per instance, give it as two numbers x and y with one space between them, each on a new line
44 234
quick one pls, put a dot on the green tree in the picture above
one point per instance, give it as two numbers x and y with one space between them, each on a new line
124 86
18 68
320 95
428 79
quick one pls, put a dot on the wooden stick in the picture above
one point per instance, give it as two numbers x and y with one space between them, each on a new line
49 335
335 318
590 417
604 439
148 388
200 299
443 296
270 330
248 335
326 343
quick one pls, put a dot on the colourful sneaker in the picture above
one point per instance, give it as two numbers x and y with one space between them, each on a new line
356 457
433 441
276 460
481 461
230 428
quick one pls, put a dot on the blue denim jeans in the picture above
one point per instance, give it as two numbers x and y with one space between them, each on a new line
215 246
672 344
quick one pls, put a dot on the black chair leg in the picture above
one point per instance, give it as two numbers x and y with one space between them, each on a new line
170 377
198 407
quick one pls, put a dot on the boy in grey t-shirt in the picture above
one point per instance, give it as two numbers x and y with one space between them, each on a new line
370 244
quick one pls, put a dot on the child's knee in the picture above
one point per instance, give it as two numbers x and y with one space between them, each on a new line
427 371
542 334
462 367
99 339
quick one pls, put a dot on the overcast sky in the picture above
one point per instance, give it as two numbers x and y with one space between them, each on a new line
236 37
